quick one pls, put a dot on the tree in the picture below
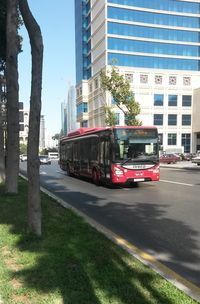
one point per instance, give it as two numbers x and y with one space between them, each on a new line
9 22
12 104
56 136
2 84
23 149
2 34
110 119
122 95
2 116
34 200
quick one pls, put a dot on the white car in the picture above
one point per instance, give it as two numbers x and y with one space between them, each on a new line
23 157
44 160
196 160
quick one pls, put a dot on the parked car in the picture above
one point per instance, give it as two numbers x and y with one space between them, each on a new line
44 160
196 160
169 158
23 157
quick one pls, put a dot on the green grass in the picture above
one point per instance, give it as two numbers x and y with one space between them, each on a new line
72 263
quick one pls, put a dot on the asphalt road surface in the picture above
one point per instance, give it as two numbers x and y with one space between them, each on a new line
161 218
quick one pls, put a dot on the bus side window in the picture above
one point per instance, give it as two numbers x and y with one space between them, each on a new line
101 151
68 154
107 152
94 149
76 151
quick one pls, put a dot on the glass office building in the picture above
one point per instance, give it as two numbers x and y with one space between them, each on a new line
155 45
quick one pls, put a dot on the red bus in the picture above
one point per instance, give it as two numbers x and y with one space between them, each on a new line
114 155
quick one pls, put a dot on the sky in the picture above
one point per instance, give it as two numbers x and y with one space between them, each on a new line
56 21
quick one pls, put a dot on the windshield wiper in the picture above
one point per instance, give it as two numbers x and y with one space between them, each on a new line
126 161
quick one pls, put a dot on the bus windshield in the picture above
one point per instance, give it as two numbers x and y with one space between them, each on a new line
135 145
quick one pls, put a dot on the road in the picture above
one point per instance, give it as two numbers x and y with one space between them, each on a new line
161 218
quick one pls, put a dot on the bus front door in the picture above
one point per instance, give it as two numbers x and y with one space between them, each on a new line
105 164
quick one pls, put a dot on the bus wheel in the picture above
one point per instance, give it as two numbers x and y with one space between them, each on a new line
95 177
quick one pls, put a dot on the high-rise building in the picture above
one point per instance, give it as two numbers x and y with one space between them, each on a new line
63 118
71 110
156 46
42 133
68 112
24 124
24 115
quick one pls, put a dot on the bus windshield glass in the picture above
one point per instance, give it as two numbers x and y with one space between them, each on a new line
135 145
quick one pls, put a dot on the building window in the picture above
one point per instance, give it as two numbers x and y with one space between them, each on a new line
143 78
96 84
158 99
21 106
152 17
82 108
185 142
172 100
84 124
21 116
172 119
186 120
117 116
186 81
172 80
186 100
160 136
151 62
158 79
158 119
171 139
129 77
90 87
113 100
21 127
144 31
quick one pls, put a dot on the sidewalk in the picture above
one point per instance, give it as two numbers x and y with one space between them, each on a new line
188 165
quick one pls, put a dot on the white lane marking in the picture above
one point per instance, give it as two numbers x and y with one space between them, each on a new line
43 172
171 182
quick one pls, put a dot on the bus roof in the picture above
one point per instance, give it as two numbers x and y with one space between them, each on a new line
83 131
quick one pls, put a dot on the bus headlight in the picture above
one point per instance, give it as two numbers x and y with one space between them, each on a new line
118 171
156 170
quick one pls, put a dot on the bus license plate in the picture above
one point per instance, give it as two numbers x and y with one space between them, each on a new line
138 179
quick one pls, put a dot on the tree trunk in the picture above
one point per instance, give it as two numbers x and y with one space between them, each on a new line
34 201
12 145
2 146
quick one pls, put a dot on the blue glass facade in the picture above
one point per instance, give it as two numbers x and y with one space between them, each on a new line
152 18
168 5
152 32
152 47
153 62
83 44
176 32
